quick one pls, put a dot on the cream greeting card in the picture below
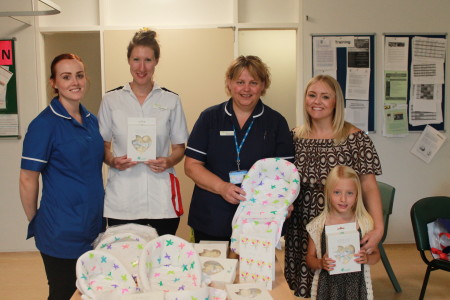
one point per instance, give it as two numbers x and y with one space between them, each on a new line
141 144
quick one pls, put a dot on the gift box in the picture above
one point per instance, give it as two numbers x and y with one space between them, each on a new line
342 242
156 295
211 250
257 259
220 270
242 291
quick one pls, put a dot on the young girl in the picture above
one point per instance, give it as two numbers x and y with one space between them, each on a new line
343 205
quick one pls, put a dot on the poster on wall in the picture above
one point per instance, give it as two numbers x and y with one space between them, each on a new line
9 120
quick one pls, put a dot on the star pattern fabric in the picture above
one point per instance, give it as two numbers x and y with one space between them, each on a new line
271 185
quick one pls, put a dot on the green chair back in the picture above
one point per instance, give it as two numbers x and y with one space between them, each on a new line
387 193
424 211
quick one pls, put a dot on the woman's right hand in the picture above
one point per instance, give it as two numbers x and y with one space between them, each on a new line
232 193
122 162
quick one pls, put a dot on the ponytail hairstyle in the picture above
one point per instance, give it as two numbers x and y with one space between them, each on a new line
56 60
147 38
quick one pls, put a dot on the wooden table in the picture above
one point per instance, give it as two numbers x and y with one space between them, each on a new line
280 289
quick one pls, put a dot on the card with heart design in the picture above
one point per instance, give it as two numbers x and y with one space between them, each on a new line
141 144
342 242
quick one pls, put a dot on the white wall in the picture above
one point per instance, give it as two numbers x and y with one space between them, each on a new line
412 177
13 222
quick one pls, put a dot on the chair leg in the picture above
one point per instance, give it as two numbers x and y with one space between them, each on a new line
389 270
425 282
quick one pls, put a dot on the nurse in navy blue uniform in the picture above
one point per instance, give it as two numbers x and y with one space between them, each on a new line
64 146
226 141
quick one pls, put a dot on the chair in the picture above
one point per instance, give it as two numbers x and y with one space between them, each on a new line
387 193
424 211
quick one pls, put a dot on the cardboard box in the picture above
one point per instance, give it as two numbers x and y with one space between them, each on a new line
156 295
211 250
245 291
257 259
221 270
342 245
226 243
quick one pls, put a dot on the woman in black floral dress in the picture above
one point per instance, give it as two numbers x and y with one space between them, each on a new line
324 141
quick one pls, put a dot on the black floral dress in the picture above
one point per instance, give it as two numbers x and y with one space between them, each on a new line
314 158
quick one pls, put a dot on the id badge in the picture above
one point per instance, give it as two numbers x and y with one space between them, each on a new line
236 177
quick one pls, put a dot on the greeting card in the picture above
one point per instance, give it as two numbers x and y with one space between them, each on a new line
141 145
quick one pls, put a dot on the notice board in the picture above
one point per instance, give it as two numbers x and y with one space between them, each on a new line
344 56
427 90
9 120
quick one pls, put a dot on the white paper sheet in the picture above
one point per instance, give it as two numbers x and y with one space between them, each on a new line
427 72
5 76
396 53
428 144
357 87
9 124
433 49
324 54
418 116
357 113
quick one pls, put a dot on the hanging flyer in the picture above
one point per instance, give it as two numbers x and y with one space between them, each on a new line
428 144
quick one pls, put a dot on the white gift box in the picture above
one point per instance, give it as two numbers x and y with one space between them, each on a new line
141 143
211 250
342 245
245 291
156 295
221 270
200 293
226 243
257 259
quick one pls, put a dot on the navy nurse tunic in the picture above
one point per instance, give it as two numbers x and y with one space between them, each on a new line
69 156
212 142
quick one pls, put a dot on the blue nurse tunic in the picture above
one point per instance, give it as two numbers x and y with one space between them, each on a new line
212 142
69 156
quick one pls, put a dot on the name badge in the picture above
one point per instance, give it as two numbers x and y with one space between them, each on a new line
236 177
226 133
159 106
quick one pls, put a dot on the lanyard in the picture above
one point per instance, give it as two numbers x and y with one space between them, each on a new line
238 148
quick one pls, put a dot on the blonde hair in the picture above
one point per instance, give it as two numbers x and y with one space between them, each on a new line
254 65
341 128
343 172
